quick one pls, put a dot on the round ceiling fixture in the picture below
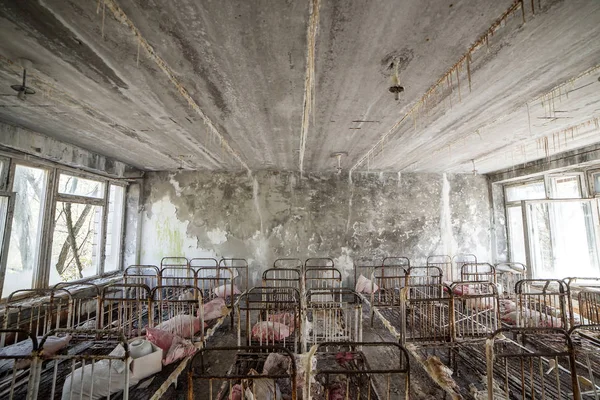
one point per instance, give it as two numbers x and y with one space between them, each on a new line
396 89
23 90
339 156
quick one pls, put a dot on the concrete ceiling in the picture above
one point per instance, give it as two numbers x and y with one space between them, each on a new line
227 85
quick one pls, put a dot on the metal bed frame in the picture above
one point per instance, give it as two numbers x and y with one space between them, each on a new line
319 262
508 274
585 335
205 383
425 316
88 353
575 287
542 303
283 277
201 262
476 310
148 275
458 260
478 272
321 278
291 263
170 301
268 306
174 262
332 315
444 262
517 370
12 377
391 278
126 307
177 275
365 268
424 275
37 311
86 303
356 370
239 267
208 280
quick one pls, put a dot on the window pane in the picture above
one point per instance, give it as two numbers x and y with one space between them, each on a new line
529 191
565 187
76 241
3 171
516 237
114 228
562 239
597 183
68 184
23 252
3 214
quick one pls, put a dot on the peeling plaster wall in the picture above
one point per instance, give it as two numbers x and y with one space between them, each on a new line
132 225
271 215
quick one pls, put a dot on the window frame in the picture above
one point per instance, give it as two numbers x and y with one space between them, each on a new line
518 203
526 230
41 257
6 238
591 191
580 180
41 275
585 179
5 173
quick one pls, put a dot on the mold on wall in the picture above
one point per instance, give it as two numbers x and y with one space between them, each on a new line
270 215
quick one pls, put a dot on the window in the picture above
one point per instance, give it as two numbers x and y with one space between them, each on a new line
562 238
595 182
514 195
515 232
565 187
76 233
558 237
6 210
77 237
75 242
76 186
114 228
4 163
528 191
29 184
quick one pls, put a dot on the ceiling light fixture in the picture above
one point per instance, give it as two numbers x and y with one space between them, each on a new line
339 155
474 170
396 88
23 90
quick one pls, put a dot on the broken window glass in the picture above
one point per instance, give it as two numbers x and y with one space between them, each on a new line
76 241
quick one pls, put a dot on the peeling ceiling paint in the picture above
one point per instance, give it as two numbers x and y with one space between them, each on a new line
237 86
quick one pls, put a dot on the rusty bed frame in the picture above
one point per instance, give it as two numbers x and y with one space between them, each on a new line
518 369
332 315
205 383
148 275
360 374
265 308
88 351
508 274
